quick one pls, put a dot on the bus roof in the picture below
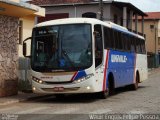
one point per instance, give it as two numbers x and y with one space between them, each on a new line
71 21
87 20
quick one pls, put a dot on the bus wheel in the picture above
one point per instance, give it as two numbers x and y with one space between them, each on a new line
111 88
110 91
135 85
104 94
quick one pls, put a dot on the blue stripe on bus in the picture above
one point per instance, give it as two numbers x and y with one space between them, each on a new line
122 65
80 74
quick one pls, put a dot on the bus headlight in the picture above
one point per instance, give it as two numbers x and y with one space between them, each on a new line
83 78
37 80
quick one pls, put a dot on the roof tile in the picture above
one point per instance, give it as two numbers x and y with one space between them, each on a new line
43 2
153 15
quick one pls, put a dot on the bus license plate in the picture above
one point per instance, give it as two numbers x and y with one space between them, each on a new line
58 89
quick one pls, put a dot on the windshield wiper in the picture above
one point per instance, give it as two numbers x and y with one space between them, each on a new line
68 58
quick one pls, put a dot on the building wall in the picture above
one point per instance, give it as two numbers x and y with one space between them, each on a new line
150 34
74 11
159 28
13 66
77 11
87 8
118 12
109 12
28 23
8 55
16 1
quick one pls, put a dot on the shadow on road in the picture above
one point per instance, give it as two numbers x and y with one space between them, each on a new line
78 98
127 89
75 98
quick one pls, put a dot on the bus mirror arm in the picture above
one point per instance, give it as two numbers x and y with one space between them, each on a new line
25 47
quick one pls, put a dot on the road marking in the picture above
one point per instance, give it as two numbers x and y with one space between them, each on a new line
32 110
65 111
101 111
136 112
12 109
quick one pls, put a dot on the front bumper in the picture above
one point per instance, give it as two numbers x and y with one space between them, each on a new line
87 86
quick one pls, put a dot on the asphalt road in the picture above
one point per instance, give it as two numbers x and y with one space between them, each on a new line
77 107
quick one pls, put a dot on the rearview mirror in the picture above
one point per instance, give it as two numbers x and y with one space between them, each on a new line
24 49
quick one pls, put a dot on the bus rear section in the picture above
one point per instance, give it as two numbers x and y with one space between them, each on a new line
120 58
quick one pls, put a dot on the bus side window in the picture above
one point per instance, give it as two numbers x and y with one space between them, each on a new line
116 39
127 42
138 45
121 43
133 48
143 46
108 38
98 45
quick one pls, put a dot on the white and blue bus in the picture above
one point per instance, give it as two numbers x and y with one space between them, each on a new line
85 55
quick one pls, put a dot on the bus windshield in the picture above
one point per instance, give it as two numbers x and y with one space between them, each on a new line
61 47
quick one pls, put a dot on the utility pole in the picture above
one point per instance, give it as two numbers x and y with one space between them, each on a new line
101 9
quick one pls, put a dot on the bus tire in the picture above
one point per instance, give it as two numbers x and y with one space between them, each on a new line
111 89
103 94
135 85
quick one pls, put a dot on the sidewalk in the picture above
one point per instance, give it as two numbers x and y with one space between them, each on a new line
153 70
20 97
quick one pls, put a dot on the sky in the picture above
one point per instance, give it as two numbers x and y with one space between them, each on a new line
144 5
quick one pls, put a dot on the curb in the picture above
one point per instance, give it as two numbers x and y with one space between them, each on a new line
34 98
9 101
152 71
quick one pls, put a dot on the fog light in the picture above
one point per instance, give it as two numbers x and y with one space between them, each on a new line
33 88
78 81
88 87
40 81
